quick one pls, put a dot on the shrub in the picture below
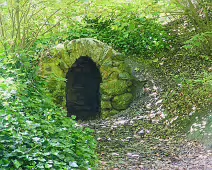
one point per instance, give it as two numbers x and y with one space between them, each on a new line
127 32
131 34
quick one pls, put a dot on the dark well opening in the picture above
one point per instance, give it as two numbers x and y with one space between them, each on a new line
83 89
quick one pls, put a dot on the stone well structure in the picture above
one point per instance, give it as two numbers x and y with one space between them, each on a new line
88 78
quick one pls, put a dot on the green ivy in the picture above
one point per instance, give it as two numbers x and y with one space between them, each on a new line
133 35
34 133
130 34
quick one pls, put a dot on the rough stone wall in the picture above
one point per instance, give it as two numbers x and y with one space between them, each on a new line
116 86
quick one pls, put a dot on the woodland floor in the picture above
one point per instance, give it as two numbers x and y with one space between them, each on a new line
136 139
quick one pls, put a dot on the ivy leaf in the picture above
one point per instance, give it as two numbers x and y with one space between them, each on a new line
155 60
16 163
132 26
73 164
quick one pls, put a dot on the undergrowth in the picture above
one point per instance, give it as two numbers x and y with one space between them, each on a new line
189 81
128 33
35 134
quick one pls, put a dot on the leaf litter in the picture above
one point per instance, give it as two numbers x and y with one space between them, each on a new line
138 139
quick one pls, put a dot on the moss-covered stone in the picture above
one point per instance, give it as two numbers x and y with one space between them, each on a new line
108 63
63 66
115 77
116 63
107 72
124 76
118 57
114 87
105 97
106 105
68 60
121 102
124 67
109 113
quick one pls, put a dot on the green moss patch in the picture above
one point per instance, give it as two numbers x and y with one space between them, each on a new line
114 87
122 102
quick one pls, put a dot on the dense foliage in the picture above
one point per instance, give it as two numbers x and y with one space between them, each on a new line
128 33
35 134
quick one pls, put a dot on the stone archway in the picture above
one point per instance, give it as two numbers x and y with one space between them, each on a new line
116 84
83 97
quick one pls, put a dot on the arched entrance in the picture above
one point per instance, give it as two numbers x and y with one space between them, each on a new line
83 97
65 61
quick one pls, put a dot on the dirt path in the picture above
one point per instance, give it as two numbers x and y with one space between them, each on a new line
137 138
123 147
124 144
